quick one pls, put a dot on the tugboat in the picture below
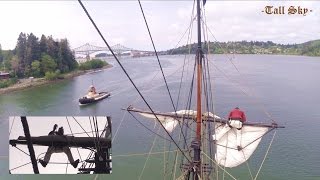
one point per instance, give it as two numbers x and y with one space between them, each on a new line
93 96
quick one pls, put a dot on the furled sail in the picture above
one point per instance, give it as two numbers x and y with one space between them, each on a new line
227 152
170 122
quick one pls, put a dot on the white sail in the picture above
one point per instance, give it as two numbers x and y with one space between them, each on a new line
227 153
227 139
170 123
187 112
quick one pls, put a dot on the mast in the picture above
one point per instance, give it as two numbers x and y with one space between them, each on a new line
29 142
196 144
199 72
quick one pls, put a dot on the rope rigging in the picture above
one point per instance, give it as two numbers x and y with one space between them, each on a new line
99 32
14 117
116 133
81 126
145 84
72 135
22 150
208 93
175 109
185 56
20 166
230 60
148 128
265 156
151 148
164 77
192 19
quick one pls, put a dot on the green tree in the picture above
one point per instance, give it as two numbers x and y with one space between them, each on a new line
52 47
47 64
20 50
43 44
53 75
27 71
7 56
93 64
35 67
32 49
15 64
66 60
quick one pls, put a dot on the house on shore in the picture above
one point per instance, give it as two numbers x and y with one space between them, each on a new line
4 75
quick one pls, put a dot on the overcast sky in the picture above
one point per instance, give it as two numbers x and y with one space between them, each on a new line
122 22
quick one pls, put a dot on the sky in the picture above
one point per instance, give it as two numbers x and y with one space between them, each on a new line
122 22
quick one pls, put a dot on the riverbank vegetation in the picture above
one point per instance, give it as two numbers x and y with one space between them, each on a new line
8 82
92 64
310 48
35 57
46 58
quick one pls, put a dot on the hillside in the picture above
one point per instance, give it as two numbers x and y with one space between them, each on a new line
310 48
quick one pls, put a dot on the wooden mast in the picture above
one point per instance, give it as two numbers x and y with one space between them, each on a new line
196 144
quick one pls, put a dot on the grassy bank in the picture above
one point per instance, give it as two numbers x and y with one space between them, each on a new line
34 82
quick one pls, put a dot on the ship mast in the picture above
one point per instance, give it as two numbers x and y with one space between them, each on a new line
196 144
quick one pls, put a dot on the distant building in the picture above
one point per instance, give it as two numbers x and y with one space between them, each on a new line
4 75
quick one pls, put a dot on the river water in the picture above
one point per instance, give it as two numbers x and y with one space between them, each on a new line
283 87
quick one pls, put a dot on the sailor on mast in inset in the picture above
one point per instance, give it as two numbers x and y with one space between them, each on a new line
58 149
236 118
54 130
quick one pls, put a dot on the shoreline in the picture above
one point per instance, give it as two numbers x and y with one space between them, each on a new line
29 83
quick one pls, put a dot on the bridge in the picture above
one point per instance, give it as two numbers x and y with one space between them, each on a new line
88 49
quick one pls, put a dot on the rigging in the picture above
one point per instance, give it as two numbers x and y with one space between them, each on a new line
96 27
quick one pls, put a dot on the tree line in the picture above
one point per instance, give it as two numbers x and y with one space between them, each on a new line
37 57
311 48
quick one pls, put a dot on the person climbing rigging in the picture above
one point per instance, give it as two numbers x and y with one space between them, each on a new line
235 119
58 149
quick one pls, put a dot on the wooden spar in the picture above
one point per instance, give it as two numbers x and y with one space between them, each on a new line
199 88
70 141
204 118
224 121
29 143
199 74
173 115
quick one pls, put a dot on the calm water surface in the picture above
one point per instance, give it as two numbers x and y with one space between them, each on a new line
286 87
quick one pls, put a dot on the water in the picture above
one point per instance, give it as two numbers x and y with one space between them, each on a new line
287 87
